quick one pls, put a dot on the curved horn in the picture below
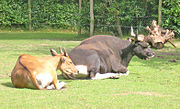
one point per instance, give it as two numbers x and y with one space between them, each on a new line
65 53
132 32
53 52
60 50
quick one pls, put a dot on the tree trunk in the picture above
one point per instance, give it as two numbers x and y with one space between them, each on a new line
29 14
159 12
110 1
118 26
91 18
79 20
145 6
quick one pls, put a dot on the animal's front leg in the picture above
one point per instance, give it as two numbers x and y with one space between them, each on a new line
56 83
124 74
118 68
123 70
60 85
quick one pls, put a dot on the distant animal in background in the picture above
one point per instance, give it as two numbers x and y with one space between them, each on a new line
40 72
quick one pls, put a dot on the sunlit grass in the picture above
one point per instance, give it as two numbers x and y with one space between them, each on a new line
152 84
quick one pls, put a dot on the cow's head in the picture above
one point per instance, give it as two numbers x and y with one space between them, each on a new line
66 65
141 48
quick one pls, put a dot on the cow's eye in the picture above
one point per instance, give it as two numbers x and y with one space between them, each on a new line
144 46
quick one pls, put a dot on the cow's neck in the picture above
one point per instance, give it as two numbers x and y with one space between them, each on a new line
55 62
127 55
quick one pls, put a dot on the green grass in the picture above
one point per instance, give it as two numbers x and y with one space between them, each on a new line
152 84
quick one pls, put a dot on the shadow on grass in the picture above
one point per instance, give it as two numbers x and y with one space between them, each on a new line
8 84
61 78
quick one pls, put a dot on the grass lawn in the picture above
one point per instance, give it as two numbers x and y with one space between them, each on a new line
152 84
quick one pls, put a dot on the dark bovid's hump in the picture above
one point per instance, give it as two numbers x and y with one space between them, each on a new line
97 38
106 40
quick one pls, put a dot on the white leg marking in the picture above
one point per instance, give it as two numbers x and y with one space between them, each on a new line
44 79
124 74
110 75
51 87
60 85
82 71
106 75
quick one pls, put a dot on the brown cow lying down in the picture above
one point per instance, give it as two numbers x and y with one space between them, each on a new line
40 72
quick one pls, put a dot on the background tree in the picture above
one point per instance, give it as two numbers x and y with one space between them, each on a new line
159 12
91 18
79 20
118 26
171 15
29 14
110 16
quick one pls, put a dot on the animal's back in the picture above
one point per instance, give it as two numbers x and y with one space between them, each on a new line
101 44
107 41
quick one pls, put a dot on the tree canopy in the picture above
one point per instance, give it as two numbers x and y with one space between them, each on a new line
63 14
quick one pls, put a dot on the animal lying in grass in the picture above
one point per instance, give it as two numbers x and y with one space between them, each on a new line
102 56
40 72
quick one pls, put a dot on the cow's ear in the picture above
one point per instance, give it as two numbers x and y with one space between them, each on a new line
140 38
53 52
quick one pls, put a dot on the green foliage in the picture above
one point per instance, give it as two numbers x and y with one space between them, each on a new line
51 12
130 13
44 13
12 13
63 14
171 12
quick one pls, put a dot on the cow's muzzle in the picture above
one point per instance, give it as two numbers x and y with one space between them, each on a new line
149 55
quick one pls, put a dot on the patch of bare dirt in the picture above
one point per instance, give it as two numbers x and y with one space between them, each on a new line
143 93
168 55
44 44
5 75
